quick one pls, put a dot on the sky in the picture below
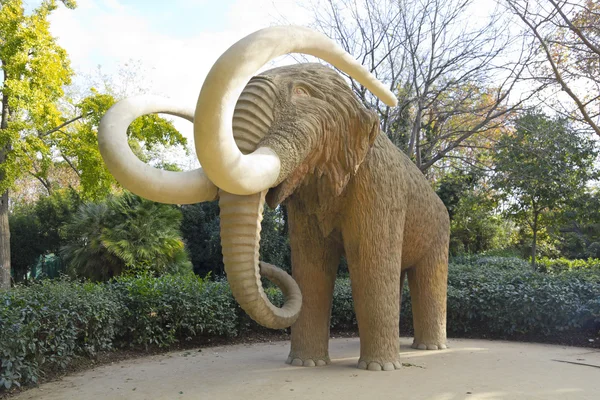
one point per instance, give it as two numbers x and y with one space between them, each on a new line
169 45
175 41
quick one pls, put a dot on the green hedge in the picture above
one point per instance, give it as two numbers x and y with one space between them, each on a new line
47 324
162 311
562 265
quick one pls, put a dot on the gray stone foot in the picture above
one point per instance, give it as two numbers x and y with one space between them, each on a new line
379 365
428 345
307 362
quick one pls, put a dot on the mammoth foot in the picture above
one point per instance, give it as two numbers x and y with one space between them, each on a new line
306 362
379 365
428 346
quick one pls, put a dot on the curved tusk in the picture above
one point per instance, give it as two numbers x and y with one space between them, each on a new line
133 174
223 162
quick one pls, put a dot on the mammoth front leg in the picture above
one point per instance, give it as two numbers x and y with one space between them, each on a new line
374 253
314 266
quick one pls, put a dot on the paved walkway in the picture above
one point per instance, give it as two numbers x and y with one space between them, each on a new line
470 369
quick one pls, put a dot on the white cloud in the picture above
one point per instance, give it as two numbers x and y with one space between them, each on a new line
111 33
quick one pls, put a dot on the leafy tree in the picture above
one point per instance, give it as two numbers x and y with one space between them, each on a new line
274 242
200 230
39 228
25 244
34 70
453 186
475 226
77 143
578 234
36 139
125 234
53 212
540 167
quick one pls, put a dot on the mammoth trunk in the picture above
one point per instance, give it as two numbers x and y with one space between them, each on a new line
240 237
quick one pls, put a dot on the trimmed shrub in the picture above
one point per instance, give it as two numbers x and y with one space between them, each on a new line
504 303
493 262
342 313
562 265
161 311
47 324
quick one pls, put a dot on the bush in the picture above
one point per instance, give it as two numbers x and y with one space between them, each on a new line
202 235
561 265
504 303
125 234
501 263
200 229
342 313
38 229
161 311
47 324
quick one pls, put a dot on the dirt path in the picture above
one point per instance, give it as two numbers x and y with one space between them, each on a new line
470 369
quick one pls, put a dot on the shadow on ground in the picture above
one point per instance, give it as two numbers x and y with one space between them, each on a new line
469 369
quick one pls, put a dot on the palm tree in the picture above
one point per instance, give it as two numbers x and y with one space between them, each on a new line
125 234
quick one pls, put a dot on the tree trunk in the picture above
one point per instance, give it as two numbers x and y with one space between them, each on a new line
4 242
534 241
4 225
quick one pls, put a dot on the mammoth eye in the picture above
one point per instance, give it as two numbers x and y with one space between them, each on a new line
300 91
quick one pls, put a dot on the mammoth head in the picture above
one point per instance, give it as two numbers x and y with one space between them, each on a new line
253 135
308 115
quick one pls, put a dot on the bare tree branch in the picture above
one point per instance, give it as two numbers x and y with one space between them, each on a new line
439 63
564 73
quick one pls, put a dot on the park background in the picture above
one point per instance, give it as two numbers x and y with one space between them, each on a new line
498 106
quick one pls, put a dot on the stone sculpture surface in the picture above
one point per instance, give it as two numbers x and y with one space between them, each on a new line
298 134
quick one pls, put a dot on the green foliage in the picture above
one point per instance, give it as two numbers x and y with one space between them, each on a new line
34 71
505 303
274 243
39 229
475 226
78 142
540 167
562 265
125 234
201 232
342 313
24 242
578 231
452 187
53 212
47 324
162 311
491 262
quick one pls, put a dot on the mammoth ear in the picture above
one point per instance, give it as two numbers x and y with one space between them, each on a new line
354 144
361 138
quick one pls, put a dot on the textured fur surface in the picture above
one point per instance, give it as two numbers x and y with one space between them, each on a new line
350 191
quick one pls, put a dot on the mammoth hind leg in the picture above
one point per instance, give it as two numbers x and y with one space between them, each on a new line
428 282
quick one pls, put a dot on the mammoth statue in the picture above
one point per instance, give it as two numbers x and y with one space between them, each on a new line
297 134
